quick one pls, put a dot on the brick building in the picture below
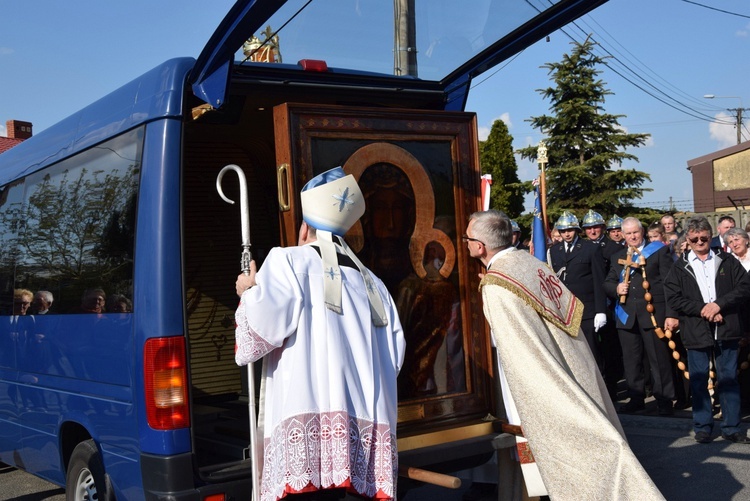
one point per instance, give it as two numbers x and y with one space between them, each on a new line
18 131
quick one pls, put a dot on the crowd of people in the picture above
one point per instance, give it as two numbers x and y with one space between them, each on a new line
664 306
94 300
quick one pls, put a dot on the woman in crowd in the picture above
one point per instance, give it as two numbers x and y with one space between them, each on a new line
738 240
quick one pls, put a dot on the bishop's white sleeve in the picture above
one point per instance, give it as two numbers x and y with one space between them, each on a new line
269 312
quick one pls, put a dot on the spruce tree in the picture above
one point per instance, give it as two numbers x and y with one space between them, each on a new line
496 158
585 145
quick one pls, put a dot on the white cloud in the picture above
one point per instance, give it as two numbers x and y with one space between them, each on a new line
723 130
743 32
484 130
3 131
4 51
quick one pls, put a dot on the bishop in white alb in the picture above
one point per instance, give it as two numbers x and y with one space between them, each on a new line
329 409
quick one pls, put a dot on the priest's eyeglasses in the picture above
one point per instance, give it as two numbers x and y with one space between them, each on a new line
467 238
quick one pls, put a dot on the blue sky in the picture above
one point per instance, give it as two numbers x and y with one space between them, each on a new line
57 57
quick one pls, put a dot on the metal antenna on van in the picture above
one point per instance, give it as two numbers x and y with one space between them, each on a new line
245 266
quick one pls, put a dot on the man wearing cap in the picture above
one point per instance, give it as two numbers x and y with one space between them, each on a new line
580 266
333 347
614 230
594 227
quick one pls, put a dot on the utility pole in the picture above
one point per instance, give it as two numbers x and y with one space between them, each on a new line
405 39
737 113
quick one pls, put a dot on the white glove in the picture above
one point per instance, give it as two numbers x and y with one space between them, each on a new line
600 320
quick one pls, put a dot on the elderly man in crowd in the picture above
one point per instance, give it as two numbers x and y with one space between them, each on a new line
635 282
706 290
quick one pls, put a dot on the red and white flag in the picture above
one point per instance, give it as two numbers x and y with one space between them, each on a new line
485 187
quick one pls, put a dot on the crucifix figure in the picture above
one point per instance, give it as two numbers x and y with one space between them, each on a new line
628 265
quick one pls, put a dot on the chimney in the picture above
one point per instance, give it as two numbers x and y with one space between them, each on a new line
18 129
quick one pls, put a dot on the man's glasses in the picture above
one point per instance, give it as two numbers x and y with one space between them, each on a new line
695 240
467 238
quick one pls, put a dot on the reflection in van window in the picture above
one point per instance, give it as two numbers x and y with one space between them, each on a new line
72 233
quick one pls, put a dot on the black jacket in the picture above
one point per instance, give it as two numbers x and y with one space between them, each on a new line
583 274
684 296
658 265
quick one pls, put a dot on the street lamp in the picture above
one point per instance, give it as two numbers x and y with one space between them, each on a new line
737 113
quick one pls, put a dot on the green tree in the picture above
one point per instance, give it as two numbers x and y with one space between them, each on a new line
585 145
496 158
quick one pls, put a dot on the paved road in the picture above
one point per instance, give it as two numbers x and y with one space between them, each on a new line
680 467
20 486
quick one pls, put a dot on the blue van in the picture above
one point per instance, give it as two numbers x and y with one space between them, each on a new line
118 257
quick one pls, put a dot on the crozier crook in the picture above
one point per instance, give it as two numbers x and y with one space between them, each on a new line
244 213
245 266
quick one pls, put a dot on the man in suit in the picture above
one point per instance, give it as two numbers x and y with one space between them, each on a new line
580 266
724 224
594 227
635 324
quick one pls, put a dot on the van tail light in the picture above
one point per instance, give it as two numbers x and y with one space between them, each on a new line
165 376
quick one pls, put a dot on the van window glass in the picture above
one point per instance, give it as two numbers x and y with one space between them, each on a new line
77 239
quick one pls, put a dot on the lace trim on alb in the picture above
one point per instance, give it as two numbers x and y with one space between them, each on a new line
326 450
248 343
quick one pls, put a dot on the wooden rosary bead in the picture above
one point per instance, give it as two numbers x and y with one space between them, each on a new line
675 355
647 297
646 285
672 345
681 366
744 365
650 308
668 334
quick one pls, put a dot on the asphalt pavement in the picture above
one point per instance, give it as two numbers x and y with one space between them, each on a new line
680 467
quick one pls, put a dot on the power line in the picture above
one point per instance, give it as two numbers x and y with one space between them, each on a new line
688 110
717 9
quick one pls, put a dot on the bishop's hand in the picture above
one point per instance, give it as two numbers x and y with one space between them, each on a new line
244 282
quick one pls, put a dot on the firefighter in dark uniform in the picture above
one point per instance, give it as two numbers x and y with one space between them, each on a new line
580 266
614 230
595 228
517 243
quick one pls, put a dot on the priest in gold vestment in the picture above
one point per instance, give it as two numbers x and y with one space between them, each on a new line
551 384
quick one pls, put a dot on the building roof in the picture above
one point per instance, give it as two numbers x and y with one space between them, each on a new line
7 143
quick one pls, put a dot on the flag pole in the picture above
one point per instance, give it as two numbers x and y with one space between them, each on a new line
541 158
